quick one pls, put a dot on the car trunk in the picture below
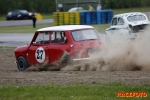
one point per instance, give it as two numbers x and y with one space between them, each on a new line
89 46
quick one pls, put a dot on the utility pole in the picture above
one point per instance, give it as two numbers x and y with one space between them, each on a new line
77 5
99 1
56 5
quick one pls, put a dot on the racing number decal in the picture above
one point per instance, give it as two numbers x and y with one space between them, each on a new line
40 55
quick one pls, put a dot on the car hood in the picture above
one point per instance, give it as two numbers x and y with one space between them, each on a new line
135 23
21 48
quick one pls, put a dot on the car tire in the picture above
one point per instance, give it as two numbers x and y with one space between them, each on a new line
25 18
8 19
22 63
65 61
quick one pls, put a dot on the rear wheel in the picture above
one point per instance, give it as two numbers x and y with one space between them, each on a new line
64 61
22 63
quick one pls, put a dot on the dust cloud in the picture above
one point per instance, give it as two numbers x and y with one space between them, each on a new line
118 54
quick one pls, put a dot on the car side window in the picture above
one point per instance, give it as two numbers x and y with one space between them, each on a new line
58 37
114 21
42 38
120 21
14 13
18 12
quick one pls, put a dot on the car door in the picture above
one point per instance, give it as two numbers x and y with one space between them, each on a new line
18 15
38 50
59 44
113 26
14 15
118 25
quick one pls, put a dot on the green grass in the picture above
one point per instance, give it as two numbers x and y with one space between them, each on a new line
144 9
29 29
76 92
22 29
47 16
100 28
2 17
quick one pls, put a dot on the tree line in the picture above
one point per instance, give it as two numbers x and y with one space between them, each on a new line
42 6
49 6
117 4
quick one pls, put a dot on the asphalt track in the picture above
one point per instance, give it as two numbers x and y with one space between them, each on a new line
16 40
24 22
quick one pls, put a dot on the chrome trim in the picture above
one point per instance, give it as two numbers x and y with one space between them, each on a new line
81 59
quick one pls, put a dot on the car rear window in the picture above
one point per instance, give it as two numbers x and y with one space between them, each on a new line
82 35
136 18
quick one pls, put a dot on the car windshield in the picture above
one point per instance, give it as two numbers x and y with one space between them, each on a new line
136 18
23 11
82 35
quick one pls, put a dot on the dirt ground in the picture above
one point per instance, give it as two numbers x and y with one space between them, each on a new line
9 75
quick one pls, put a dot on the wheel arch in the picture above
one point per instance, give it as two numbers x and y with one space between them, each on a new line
24 57
64 55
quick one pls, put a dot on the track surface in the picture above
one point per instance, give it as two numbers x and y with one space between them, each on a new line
9 75
15 40
24 22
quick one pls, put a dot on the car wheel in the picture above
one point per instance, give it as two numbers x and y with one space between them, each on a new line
25 18
22 63
7 19
64 61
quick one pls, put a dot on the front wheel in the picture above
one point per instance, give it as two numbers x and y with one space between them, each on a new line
22 63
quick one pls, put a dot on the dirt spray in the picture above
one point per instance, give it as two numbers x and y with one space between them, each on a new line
119 54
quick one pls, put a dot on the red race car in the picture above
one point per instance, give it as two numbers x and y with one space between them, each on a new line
51 43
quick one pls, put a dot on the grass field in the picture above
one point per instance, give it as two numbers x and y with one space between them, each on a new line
29 29
78 92
144 9
22 29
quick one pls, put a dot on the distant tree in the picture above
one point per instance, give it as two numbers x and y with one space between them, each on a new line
145 3
42 6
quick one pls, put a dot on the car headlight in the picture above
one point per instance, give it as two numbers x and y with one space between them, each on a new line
30 14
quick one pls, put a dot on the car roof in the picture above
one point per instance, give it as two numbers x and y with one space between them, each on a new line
129 14
65 27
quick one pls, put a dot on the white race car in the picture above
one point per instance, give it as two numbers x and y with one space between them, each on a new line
76 9
128 24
